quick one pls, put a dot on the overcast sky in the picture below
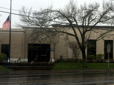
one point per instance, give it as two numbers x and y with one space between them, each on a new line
35 5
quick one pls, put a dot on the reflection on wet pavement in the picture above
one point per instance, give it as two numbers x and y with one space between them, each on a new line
72 78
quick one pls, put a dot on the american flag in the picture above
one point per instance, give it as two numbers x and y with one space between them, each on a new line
6 24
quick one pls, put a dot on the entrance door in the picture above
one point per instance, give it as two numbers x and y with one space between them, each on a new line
38 52
106 42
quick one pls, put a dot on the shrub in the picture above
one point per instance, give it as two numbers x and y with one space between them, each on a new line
99 57
61 58
111 60
80 61
91 57
75 49
2 57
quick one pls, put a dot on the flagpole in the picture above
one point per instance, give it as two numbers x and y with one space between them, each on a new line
10 34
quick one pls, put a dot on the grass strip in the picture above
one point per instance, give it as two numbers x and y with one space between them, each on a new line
3 69
79 66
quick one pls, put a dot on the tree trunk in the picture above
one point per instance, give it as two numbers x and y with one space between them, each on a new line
84 59
84 63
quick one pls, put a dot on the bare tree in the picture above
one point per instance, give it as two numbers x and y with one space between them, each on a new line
75 48
81 20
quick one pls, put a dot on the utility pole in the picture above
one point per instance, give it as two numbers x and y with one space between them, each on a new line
10 35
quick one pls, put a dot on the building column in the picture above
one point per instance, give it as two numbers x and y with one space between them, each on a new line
52 53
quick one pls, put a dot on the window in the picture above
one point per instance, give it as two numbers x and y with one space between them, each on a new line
4 49
91 49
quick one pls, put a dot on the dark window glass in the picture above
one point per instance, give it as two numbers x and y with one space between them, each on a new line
4 49
91 49
39 52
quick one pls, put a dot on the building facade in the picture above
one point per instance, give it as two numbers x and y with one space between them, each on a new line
24 49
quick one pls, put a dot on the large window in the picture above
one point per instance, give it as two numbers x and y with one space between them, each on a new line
91 49
4 49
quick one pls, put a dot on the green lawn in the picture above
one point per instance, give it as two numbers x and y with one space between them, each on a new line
79 66
3 69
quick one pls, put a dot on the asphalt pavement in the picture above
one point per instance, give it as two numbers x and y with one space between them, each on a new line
46 77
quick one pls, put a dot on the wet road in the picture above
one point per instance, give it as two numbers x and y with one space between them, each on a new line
58 78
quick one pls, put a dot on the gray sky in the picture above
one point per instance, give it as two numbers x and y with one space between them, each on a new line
35 5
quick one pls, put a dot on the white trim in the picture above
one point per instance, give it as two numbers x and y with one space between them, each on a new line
18 60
